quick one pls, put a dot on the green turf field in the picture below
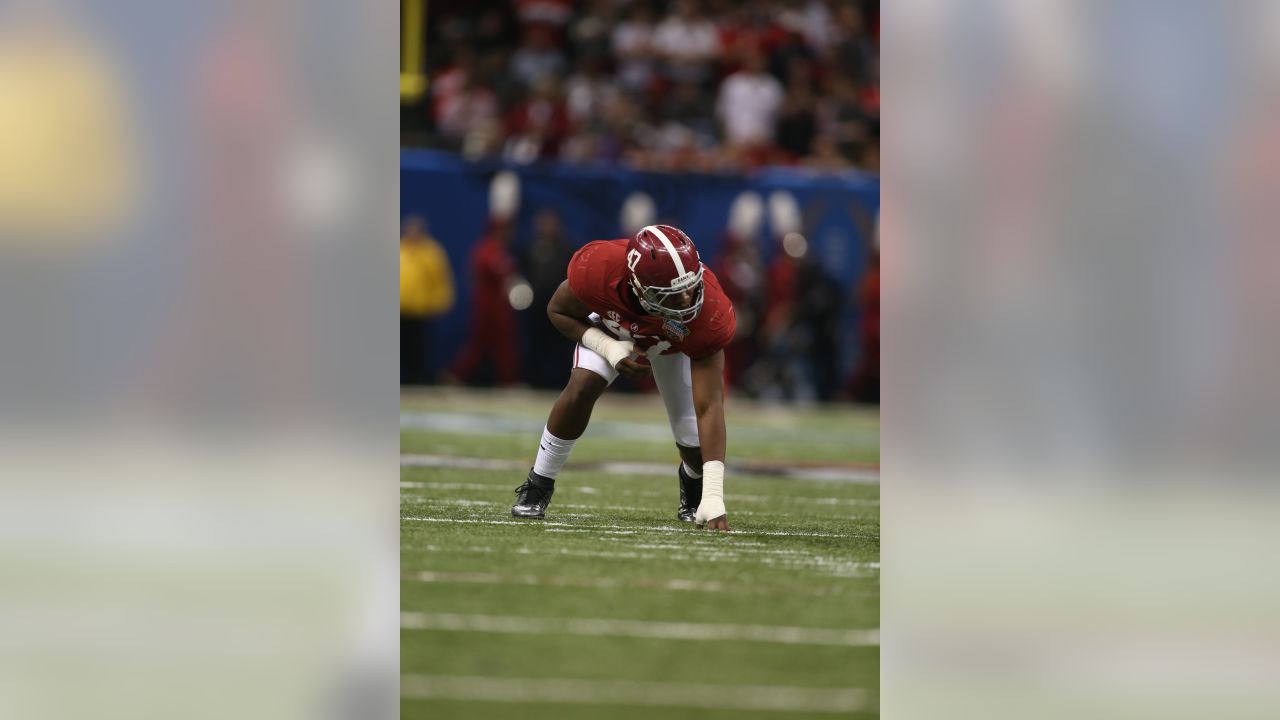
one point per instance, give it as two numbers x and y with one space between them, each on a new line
611 608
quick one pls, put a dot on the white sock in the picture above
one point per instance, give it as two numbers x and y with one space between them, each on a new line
552 454
695 474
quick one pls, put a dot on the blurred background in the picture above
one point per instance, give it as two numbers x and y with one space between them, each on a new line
531 127
197 340
195 410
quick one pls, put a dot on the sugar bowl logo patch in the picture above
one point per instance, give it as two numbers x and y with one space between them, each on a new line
675 329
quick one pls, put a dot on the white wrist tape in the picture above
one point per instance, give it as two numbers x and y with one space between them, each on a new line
712 505
613 351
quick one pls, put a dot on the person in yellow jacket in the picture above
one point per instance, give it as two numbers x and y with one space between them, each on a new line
426 292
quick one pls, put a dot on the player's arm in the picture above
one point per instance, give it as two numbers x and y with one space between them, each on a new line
708 403
569 315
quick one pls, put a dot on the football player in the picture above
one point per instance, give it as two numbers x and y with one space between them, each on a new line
637 306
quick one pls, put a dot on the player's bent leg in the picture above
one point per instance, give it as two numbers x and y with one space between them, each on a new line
672 375
568 420
572 410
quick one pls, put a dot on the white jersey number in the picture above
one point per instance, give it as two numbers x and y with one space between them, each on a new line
624 334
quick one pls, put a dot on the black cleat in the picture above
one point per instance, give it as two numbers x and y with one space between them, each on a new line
533 497
690 495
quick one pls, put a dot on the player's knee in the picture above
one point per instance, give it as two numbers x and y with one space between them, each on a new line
581 393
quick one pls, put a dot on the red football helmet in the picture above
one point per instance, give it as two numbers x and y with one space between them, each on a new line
665 266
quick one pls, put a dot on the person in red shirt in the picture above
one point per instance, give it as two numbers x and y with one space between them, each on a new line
863 384
635 307
493 323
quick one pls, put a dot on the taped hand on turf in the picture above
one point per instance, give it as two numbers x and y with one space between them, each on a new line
711 513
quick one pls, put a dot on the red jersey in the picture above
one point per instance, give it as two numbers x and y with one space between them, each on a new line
491 266
598 275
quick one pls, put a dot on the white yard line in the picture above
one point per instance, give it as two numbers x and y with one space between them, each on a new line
678 585
585 490
786 499
863 475
633 693
415 485
788 559
495 425
602 627
734 497
472 424
562 506
582 527
603 532
461 463
429 576
619 508
539 523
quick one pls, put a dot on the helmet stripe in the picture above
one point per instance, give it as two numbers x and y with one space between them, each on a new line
671 249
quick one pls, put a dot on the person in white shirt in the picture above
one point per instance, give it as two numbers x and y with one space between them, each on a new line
748 104
589 91
688 42
633 48
537 57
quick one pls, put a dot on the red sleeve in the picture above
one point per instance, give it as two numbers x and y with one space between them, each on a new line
587 275
718 330
721 335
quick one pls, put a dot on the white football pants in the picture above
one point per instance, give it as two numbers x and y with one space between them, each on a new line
675 384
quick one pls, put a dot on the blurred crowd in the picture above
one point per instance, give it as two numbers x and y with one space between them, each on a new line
709 85
794 319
